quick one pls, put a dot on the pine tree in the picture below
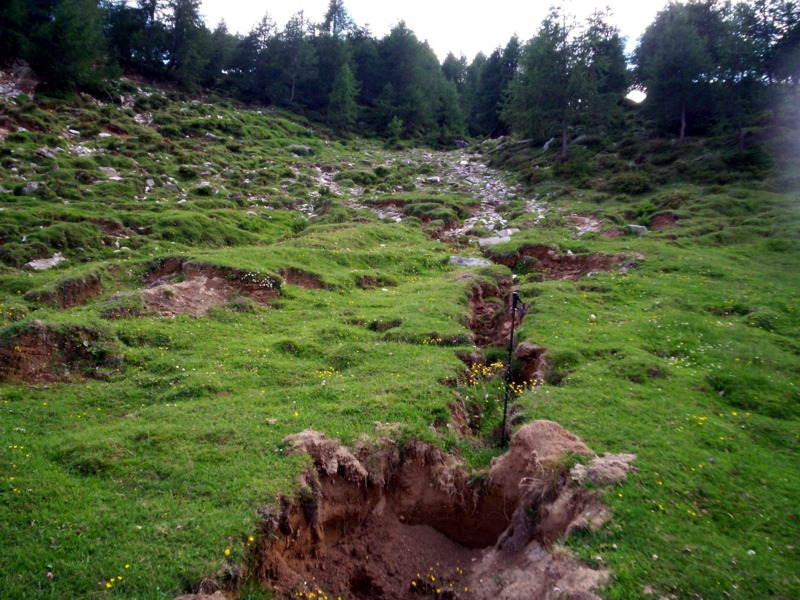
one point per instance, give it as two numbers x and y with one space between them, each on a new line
554 90
342 108
12 29
674 64
186 59
68 50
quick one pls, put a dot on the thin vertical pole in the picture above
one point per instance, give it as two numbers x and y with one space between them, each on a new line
504 434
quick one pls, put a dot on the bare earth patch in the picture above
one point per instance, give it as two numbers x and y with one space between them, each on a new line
178 287
402 522
546 260
662 221
585 223
41 353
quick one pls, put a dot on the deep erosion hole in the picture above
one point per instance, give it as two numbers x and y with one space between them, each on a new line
390 520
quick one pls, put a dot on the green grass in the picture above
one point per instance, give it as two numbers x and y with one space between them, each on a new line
151 473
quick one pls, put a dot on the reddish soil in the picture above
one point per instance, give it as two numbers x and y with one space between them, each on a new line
111 228
178 287
562 266
385 521
71 293
301 279
40 353
662 221
613 232
367 282
490 312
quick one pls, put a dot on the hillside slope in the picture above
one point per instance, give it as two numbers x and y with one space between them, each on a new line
185 284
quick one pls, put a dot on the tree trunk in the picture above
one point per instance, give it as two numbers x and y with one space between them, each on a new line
741 139
291 98
564 143
683 122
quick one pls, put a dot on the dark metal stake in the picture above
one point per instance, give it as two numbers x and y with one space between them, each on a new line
504 434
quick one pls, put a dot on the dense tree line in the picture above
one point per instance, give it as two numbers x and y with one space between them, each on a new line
703 64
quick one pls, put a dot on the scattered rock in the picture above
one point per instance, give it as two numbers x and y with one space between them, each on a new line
46 153
31 188
493 241
43 264
469 262
300 150
109 172
638 229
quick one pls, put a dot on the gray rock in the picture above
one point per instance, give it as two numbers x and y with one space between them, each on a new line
104 135
638 229
546 146
46 152
31 188
493 241
210 136
469 262
108 171
508 232
45 263
300 150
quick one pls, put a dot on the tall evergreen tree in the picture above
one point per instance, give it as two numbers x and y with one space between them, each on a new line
342 108
554 91
186 60
674 64
297 56
68 49
12 30
337 21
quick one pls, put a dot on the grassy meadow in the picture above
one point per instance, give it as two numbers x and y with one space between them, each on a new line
146 476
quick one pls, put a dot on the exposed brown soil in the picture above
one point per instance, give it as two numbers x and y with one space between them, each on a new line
490 311
178 286
613 232
301 279
401 522
111 228
545 259
662 221
41 353
367 282
71 293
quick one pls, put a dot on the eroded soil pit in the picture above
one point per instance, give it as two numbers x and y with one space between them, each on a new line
37 353
546 260
389 520
177 286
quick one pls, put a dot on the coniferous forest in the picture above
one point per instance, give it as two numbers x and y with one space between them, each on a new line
705 65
